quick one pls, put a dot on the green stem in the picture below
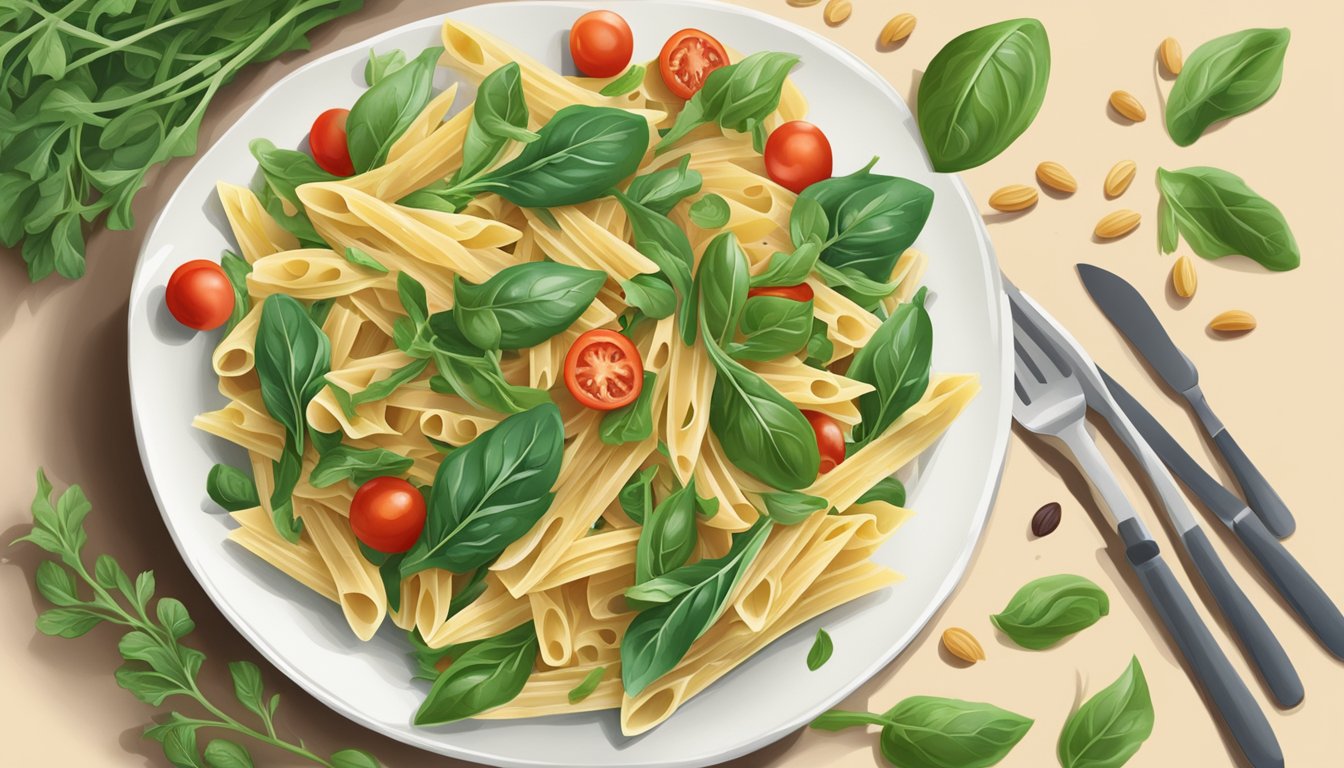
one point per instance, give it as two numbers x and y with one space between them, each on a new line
181 18
228 723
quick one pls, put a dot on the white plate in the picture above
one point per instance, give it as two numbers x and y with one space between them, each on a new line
306 637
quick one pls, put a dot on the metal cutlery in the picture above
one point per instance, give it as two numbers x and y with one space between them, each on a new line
1306 597
1050 402
1129 313
1264 649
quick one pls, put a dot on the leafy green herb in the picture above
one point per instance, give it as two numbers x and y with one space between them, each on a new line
981 91
651 295
722 281
896 362
589 683
488 674
710 212
761 432
789 268
230 488
283 171
285 477
236 269
1223 78
524 304
932 732
378 390
489 492
1051 608
1111 726
821 651
636 496
379 66
158 665
383 113
856 287
360 258
668 537
738 97
358 465
791 507
666 245
870 220
292 357
499 115
1219 215
772 327
661 190
659 637
389 572
633 422
629 80
820 348
888 489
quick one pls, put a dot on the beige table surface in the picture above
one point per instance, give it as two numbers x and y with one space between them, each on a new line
64 390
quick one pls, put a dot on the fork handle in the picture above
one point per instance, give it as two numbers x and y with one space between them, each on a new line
1096 470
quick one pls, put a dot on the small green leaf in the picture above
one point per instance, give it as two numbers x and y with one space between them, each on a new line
222 753
888 489
669 535
1110 727
489 673
1051 608
236 269
247 686
381 65
47 54
636 497
56 584
651 295
589 684
633 422
629 80
821 650
711 212
144 588
173 616
353 758
932 732
358 465
147 685
1219 215
360 257
67 622
661 190
789 268
231 489
792 507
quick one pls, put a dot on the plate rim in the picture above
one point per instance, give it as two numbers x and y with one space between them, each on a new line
746 744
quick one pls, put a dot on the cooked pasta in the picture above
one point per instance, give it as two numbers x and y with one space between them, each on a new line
510 389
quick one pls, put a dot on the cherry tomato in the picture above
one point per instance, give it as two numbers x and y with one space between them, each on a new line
601 44
603 370
799 292
798 155
687 59
327 140
387 514
200 295
830 439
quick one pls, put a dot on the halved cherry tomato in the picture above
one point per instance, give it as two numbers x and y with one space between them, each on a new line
830 439
799 292
797 155
199 295
387 514
601 44
687 59
603 370
327 140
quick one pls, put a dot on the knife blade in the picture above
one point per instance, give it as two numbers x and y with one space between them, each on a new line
1321 615
1129 313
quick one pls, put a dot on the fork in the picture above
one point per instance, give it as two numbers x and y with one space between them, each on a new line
1050 402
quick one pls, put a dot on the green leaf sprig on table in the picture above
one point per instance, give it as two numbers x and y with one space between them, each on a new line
158 665
1223 78
94 95
1218 215
933 732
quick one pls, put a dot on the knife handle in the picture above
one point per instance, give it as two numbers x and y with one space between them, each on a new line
1259 495
1301 591
1259 642
1242 717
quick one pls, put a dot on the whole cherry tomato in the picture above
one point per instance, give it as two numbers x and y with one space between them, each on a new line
797 155
327 140
387 514
601 44
200 295
830 439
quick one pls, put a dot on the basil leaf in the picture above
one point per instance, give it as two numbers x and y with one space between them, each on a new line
236 269
651 295
761 432
292 357
383 113
473 590
412 334
476 377
723 282
660 191
1110 727
319 309
808 222
636 496
659 637
932 732
230 488
581 154
854 286
791 507
488 674
1051 608
871 219
896 362
286 473
1218 215
222 753
1223 78
633 422
360 258
710 212
668 537
358 465
665 588
389 572
489 492
589 683
772 327
353 758
628 82
528 303
666 245
820 349
789 268
379 66
500 109
821 651
981 91
285 170
888 489
378 390
737 96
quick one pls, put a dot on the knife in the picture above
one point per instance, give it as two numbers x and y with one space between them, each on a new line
1257 639
1303 594
1128 312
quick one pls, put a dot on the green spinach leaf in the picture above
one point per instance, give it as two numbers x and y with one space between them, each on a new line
651 295
710 212
1111 726
933 732
722 281
633 422
772 327
661 190
1218 215
789 268
1051 608
1223 78
888 489
666 245
896 362
738 97
379 66
791 507
230 488
667 539
871 219
486 675
636 496
358 465
821 650
499 115
853 285
360 258
383 113
820 348
293 356
524 304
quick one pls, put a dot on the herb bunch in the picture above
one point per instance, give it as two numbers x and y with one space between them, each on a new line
94 94
158 665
